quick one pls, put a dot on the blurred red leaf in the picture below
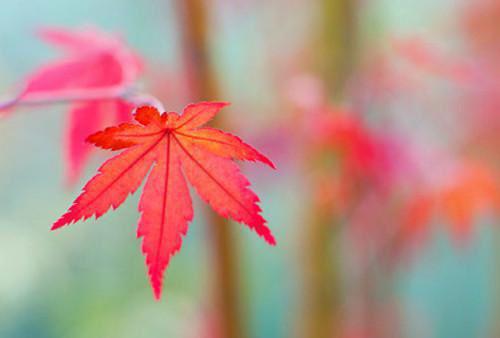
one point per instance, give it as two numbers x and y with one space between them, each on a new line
472 189
480 21
93 73
425 56
94 64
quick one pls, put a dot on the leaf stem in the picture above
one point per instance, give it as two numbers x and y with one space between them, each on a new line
127 93
9 103
65 96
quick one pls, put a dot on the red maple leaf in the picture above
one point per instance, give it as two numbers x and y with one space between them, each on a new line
177 147
93 74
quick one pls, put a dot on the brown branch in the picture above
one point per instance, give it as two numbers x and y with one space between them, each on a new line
203 84
336 44
320 308
321 312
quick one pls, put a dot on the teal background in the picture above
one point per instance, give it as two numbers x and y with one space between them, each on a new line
89 280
